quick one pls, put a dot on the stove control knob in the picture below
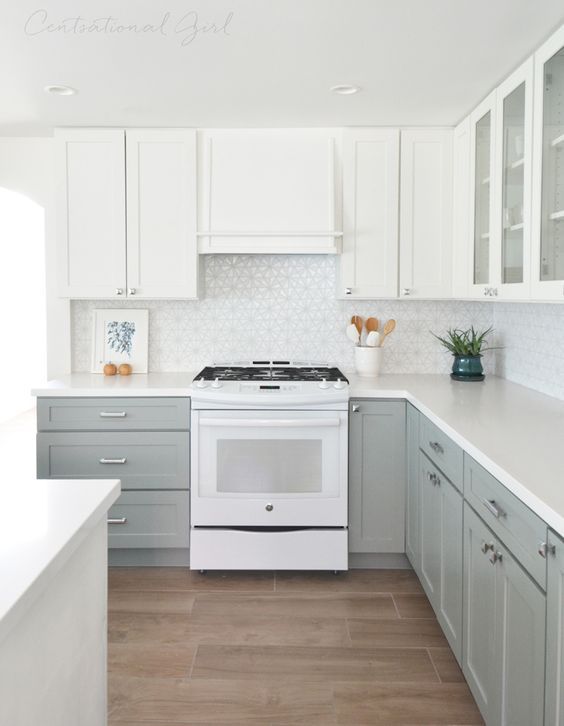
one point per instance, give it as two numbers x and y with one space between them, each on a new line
339 384
202 383
217 383
323 383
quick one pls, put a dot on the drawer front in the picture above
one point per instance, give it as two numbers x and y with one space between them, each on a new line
149 519
142 460
520 529
442 451
113 414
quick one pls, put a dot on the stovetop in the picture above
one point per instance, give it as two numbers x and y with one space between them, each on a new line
277 370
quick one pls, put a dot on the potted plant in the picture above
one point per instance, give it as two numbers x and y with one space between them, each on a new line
466 346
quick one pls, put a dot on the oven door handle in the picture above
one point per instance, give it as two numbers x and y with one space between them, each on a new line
272 422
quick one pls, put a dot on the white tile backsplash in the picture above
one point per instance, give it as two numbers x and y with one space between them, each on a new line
281 306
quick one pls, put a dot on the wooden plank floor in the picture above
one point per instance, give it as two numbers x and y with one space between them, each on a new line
363 647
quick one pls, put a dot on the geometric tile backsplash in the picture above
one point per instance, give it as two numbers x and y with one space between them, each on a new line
284 306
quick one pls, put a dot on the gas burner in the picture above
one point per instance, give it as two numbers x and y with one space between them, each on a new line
271 371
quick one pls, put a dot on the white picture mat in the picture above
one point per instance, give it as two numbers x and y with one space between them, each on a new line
102 353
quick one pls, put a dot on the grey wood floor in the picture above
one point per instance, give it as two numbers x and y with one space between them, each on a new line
262 648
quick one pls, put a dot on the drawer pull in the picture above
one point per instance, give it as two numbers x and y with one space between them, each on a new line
495 557
117 520
113 461
113 414
486 547
492 508
433 478
437 448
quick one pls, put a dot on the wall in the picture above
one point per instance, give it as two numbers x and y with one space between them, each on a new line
281 306
532 336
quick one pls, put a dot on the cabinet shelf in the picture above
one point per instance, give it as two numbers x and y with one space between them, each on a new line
485 181
518 164
558 141
555 216
515 227
485 235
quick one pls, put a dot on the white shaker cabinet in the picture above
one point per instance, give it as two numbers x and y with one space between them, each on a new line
161 213
91 212
118 244
547 279
369 260
426 213
269 191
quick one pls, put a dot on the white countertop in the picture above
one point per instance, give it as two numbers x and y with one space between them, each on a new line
41 522
514 432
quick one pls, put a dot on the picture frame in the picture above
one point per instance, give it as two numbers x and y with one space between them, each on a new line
120 336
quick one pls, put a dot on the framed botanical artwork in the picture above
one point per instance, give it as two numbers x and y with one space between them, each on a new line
120 336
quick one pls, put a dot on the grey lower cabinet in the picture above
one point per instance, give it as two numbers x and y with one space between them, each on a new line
504 630
440 541
145 442
377 476
554 702
412 539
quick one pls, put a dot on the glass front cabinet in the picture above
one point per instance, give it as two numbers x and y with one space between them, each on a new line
547 280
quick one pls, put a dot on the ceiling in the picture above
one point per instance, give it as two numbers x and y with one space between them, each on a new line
265 63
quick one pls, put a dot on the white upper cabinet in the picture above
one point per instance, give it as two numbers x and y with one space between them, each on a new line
482 174
461 223
369 261
270 190
426 213
144 246
547 279
91 212
161 213
512 183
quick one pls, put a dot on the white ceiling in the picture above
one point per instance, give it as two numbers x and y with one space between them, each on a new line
417 61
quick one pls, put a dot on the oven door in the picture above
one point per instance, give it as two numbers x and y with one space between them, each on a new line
269 468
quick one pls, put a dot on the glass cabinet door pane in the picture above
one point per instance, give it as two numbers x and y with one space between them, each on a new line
513 186
482 201
552 229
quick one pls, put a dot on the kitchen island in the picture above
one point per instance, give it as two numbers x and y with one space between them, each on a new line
53 593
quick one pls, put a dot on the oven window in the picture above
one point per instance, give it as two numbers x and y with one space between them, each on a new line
269 466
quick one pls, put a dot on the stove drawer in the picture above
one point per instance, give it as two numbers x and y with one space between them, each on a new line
230 549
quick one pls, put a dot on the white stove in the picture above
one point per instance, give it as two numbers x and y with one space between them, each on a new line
269 467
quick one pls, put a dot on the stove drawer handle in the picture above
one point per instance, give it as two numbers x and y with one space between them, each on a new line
271 422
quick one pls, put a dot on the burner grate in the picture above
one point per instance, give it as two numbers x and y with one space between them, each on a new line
267 371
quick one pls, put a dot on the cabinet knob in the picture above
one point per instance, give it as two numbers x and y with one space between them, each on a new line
119 290
546 549
355 408
494 291
131 291
495 557
486 291
405 291
486 547
348 290
269 507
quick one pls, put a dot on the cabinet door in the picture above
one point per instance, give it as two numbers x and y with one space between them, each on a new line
429 523
478 655
554 702
482 179
519 644
426 213
270 190
513 152
369 262
547 281
461 224
412 509
162 255
91 212
377 476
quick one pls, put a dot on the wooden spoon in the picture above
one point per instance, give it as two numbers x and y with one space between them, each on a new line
388 328
371 324
356 320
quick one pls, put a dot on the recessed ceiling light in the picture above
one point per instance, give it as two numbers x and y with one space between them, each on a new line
58 90
345 90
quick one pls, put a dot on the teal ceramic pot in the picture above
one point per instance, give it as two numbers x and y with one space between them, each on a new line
467 368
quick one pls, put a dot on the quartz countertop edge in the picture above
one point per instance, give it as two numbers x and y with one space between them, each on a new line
73 508
514 432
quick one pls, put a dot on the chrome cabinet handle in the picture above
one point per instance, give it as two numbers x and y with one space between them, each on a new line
486 547
113 414
437 448
405 291
348 290
131 291
486 291
546 549
113 461
355 408
433 478
493 508
117 520
119 290
495 557
269 507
